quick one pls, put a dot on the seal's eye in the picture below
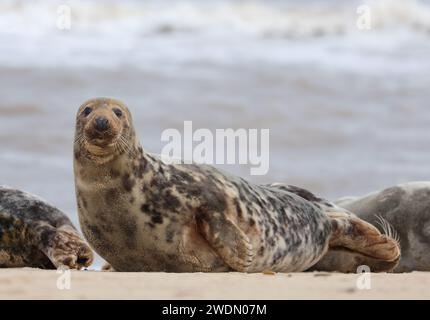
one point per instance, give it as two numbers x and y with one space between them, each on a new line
87 111
118 112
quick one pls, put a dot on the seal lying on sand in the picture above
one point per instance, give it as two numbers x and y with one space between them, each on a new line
35 234
342 259
141 214
407 208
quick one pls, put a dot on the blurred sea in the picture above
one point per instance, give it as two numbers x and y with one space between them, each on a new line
348 110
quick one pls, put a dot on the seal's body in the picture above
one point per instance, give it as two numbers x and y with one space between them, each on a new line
33 233
407 208
141 214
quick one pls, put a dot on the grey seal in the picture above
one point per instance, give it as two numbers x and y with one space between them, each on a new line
406 208
142 214
33 233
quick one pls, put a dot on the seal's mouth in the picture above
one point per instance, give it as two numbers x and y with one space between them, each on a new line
101 139
101 144
105 145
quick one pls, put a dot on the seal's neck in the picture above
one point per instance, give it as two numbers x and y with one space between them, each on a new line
110 169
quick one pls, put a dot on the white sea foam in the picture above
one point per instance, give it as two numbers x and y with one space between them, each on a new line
131 18
144 34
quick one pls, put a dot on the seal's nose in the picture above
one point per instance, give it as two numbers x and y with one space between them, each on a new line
101 124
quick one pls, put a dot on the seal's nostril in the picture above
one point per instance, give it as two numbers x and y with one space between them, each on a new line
101 124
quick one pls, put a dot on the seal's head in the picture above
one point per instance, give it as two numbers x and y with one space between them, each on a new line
103 129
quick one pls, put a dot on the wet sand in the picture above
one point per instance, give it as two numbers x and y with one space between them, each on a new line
41 284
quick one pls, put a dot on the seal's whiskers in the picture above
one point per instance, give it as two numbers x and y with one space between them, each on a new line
388 229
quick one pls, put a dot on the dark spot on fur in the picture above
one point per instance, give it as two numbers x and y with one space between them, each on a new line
128 183
160 169
261 251
238 208
67 261
46 236
305 194
150 224
171 202
140 168
156 218
271 242
114 174
111 195
144 208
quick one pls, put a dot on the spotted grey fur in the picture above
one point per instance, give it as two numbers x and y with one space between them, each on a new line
142 214
33 233
341 259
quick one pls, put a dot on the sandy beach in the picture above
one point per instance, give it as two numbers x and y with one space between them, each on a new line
42 284
347 109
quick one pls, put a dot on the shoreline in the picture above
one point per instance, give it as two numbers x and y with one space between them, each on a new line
27 283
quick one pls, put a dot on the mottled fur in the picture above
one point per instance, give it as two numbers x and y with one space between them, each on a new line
141 214
35 234
354 242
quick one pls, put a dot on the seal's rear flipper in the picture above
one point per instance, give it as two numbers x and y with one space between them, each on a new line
354 235
231 243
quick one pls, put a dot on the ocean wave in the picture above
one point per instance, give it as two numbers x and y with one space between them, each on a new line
166 33
259 18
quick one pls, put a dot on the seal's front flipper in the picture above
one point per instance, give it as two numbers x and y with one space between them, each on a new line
231 243
356 235
63 246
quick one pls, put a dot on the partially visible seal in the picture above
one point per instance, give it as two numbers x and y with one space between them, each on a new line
141 214
33 233
406 207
